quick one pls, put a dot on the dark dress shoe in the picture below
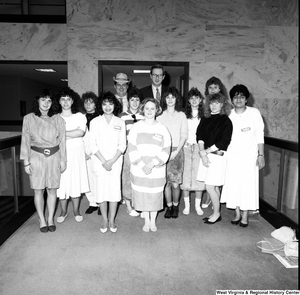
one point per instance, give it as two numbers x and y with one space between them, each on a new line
169 212
235 222
175 212
213 222
44 229
91 209
243 224
52 228
99 211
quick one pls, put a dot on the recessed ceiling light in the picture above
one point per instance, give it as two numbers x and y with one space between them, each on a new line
141 71
46 70
64 80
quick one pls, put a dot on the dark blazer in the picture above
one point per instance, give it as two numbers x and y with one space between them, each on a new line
147 91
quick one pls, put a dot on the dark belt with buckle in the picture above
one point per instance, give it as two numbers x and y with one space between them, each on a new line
47 151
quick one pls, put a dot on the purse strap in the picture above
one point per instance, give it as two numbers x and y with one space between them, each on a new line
272 247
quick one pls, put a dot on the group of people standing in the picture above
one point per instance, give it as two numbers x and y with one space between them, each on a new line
142 147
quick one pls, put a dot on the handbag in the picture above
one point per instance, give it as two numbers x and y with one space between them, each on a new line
284 239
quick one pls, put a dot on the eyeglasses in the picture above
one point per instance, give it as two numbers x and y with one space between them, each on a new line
134 118
89 101
157 76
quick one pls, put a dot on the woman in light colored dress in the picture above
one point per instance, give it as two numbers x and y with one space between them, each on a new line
245 157
130 117
149 144
176 122
74 181
108 143
194 113
43 150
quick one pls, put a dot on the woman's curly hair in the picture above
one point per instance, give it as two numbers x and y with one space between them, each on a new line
188 108
109 97
216 97
174 92
35 103
90 95
134 92
238 90
77 102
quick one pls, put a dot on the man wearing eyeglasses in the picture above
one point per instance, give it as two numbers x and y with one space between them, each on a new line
121 85
156 89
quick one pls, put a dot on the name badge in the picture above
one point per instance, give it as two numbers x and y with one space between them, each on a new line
246 129
117 128
158 137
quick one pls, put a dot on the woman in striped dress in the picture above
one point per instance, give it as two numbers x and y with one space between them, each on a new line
149 145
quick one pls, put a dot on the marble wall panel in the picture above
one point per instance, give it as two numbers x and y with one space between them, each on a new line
268 12
282 12
281 62
103 40
281 117
83 75
33 42
215 12
106 41
149 13
184 42
197 76
234 43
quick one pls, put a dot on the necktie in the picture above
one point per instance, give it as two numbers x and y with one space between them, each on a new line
157 95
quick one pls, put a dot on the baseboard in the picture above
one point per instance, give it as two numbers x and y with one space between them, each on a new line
277 219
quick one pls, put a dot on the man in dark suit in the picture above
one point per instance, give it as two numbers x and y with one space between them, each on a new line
156 89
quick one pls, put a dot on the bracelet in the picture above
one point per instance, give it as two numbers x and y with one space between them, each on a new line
260 155
27 165
202 153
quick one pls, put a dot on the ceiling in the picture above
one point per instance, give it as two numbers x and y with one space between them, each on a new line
27 70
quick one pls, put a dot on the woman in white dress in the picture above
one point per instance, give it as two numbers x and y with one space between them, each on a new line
108 143
245 157
74 181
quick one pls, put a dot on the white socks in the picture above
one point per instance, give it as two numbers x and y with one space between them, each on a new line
150 218
186 210
197 206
